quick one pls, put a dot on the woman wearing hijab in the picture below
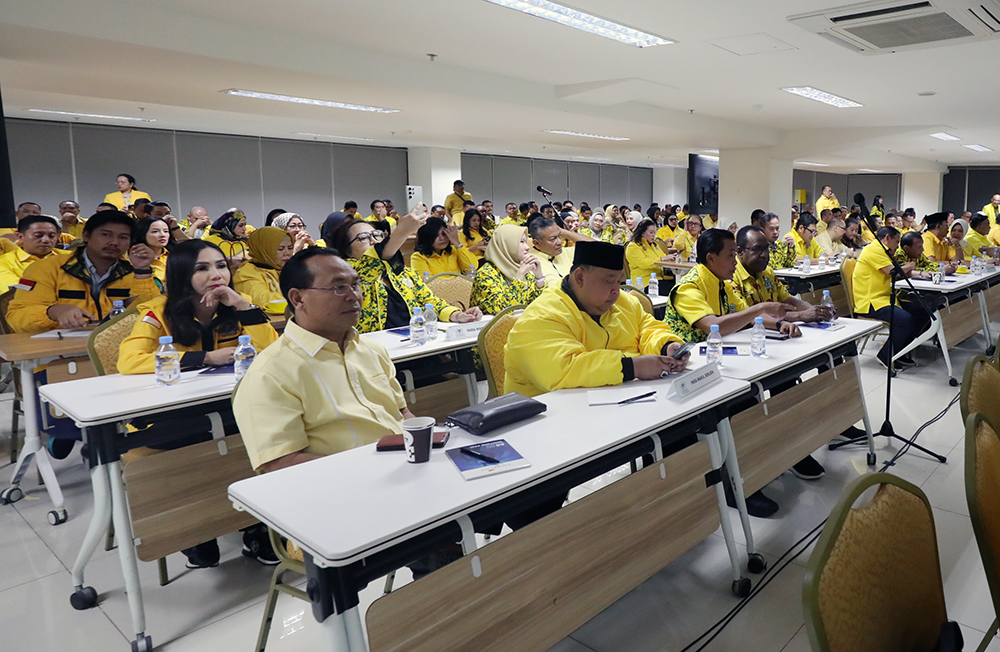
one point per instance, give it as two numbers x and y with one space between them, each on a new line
296 228
270 248
229 233
509 275
600 226
959 230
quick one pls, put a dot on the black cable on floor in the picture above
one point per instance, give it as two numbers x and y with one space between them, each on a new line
774 569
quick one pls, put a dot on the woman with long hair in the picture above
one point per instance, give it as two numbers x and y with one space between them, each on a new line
391 289
438 250
473 235
642 252
509 275
154 232
229 233
127 194
270 248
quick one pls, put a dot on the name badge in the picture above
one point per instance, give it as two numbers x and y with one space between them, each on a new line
698 380
463 331
407 282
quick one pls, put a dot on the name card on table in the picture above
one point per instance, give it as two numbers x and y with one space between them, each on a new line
697 380
463 331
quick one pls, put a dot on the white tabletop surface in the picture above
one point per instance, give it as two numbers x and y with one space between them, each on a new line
814 271
658 301
783 353
949 284
361 501
400 349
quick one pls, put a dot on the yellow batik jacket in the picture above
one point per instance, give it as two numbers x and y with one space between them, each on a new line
492 292
406 282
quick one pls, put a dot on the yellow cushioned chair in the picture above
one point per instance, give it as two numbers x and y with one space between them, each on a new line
491 342
106 339
847 279
982 491
873 581
453 288
644 300
981 389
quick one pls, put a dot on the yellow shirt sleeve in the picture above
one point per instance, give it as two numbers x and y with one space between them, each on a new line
419 263
272 428
27 310
467 259
691 304
252 281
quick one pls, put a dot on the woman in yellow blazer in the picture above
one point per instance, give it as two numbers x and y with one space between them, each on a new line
685 242
229 233
473 235
202 312
438 250
270 248
126 195
642 253
154 232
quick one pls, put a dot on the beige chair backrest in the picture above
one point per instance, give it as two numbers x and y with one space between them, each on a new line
5 299
981 389
453 288
982 491
861 590
847 278
104 342
492 339
644 300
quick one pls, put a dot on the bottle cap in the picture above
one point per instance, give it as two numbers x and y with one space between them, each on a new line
418 311
244 339
826 293
756 320
166 339
429 307
118 303
715 328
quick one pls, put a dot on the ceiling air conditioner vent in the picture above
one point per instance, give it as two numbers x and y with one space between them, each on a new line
887 26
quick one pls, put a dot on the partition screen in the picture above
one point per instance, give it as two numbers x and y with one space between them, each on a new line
703 184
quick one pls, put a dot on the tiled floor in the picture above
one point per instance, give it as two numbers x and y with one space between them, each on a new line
221 608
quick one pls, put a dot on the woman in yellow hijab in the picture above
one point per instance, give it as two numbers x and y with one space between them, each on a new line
508 275
269 248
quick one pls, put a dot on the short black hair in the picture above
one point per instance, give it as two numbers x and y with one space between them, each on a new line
909 239
142 201
102 218
296 273
25 222
524 207
468 202
977 219
70 201
436 206
712 241
767 217
805 221
458 181
29 203
273 213
757 215
535 216
851 221
376 201
130 178
744 234
909 212
108 204
161 204
350 204
886 231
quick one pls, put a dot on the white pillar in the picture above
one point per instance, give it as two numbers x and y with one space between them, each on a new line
435 169
670 185
751 179
922 192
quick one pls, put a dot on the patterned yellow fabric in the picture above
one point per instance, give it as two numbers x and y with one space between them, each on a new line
456 290
493 292
782 255
924 263
608 234
871 597
699 293
108 340
494 339
757 289
407 283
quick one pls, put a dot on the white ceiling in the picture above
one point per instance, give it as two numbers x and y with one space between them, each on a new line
501 78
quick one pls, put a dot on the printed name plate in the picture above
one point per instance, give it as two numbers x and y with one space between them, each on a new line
697 380
463 331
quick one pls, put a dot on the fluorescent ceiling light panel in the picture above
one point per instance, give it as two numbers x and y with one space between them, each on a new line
93 115
977 148
305 133
811 93
583 135
818 165
943 136
306 100
570 17
869 170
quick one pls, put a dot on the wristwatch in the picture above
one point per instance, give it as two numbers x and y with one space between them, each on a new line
779 323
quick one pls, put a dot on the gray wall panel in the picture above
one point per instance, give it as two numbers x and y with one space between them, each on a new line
551 175
614 185
297 178
953 198
512 181
477 173
102 153
640 187
983 184
40 164
585 183
805 180
869 185
836 181
363 174
220 172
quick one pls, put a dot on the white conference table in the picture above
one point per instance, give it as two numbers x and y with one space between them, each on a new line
102 405
413 500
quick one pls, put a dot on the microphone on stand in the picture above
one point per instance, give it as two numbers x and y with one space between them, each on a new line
859 199
543 191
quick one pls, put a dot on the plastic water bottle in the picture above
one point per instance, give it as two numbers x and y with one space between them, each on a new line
941 269
638 283
714 346
806 264
168 362
758 338
243 356
822 261
654 285
117 308
977 266
693 258
628 282
430 322
418 328
472 271
427 277
828 303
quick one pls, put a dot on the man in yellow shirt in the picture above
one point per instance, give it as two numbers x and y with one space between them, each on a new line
547 245
938 245
69 216
827 200
824 220
804 236
453 203
992 210
873 294
829 241
380 213
512 216
782 251
586 332
979 229
37 236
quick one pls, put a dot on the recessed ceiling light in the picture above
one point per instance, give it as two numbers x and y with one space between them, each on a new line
869 170
822 96
570 17
306 100
583 135
306 133
927 93
943 136
819 165
977 148
93 115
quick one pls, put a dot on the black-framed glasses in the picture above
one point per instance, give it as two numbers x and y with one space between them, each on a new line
341 290
758 250
368 237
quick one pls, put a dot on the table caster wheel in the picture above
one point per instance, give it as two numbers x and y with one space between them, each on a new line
871 459
11 495
756 563
953 382
143 644
991 350
84 598
741 587
57 516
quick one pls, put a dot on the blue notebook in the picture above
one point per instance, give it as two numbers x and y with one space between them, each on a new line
470 466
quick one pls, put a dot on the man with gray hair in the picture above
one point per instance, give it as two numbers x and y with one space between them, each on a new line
196 223
547 239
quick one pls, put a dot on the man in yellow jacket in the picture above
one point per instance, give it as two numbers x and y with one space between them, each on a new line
992 210
74 292
585 332
454 203
37 236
